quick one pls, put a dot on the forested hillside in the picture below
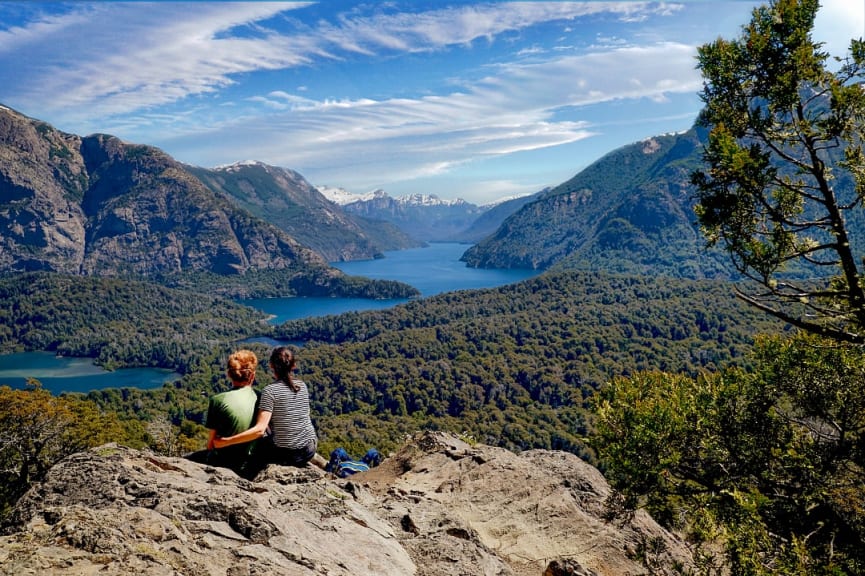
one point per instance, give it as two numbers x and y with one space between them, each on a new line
118 322
629 212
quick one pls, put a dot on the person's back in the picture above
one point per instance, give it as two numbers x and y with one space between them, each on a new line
290 424
283 410
230 413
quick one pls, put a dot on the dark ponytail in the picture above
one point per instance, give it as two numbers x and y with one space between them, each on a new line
282 362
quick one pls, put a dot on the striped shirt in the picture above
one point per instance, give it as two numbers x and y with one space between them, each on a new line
290 424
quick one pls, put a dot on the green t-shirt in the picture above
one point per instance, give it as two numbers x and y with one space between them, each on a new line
230 413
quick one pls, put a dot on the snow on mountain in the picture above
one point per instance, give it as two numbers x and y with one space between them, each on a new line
237 165
342 197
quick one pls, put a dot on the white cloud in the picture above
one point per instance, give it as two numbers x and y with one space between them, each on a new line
162 71
513 110
837 22
115 58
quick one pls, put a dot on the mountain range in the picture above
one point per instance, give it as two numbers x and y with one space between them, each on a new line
285 199
425 216
97 205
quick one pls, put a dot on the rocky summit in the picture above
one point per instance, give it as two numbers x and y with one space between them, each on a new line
439 506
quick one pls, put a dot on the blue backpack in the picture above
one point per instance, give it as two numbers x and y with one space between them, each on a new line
372 458
342 465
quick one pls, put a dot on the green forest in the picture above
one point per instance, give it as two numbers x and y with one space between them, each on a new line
514 366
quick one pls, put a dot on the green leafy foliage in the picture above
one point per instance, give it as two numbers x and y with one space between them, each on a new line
783 181
767 461
40 429
514 366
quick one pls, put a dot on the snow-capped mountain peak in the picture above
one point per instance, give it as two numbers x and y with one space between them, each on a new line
342 196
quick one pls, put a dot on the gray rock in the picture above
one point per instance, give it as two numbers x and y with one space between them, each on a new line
437 507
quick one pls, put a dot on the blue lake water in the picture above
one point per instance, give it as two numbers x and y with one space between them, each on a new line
432 270
61 374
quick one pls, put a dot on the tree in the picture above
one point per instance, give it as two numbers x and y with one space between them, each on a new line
769 462
39 430
785 176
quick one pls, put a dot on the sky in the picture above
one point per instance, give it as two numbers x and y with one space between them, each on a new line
474 100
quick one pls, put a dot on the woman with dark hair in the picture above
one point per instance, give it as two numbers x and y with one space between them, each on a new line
284 410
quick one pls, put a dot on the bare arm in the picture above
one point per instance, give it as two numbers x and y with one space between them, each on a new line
210 444
257 431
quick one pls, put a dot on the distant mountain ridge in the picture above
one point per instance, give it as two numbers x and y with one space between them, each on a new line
344 197
287 200
629 212
425 217
495 214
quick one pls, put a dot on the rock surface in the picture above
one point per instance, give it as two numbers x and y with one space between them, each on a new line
438 507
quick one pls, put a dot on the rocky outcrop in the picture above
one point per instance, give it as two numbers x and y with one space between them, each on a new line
437 507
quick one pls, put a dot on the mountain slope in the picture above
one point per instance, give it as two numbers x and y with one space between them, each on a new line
488 222
285 199
99 206
631 212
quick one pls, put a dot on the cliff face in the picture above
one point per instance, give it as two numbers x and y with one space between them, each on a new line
42 182
100 206
437 507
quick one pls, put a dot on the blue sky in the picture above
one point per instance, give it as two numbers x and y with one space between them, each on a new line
477 100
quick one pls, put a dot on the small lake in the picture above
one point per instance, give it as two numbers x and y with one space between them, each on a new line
432 270
62 374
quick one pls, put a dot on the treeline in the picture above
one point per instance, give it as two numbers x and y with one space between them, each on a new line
310 281
119 322
605 325
515 366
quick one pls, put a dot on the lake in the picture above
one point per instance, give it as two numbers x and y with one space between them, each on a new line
432 270
62 374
